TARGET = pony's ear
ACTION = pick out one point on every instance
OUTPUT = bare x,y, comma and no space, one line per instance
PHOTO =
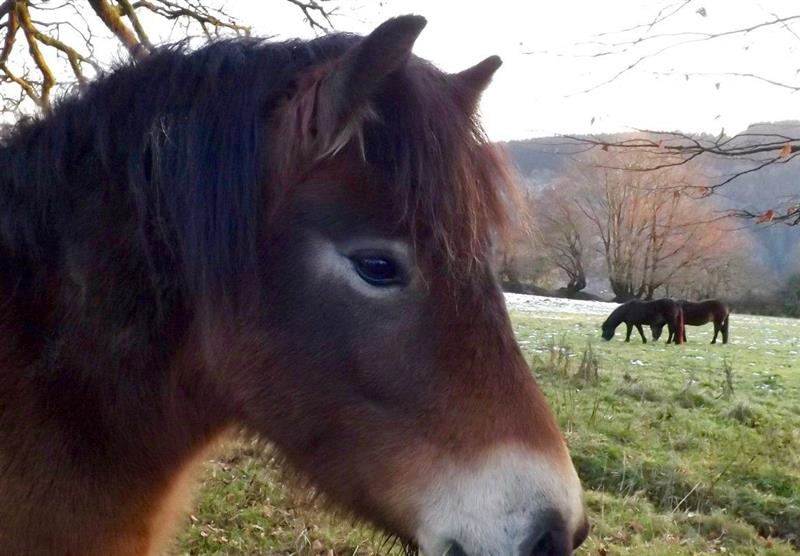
332,100
362,69
474,80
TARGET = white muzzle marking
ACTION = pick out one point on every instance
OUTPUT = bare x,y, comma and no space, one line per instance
491,507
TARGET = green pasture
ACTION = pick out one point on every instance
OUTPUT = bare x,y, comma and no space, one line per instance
683,450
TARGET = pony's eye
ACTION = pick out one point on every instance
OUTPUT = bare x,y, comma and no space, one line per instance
377,270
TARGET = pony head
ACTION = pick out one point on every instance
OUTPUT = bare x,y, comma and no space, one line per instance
378,354
608,329
295,239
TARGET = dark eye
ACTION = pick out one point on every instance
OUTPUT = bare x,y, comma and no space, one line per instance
377,270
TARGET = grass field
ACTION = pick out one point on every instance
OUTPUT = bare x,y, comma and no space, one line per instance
690,449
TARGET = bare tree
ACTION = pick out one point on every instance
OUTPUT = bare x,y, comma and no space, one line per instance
642,43
523,265
649,232
611,201
562,229
51,45
735,273
756,151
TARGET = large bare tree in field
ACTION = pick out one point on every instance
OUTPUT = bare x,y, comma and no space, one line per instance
522,261
650,233
612,201
51,45
562,232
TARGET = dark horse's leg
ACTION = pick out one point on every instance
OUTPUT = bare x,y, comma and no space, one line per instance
628,335
717,328
724,329
641,333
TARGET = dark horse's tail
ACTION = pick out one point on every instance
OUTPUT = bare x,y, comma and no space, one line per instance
680,327
724,329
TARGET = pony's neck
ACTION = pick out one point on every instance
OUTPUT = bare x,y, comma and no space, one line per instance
121,428
93,323
615,318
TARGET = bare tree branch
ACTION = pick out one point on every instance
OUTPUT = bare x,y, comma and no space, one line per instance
11,33
130,13
663,14
48,79
315,13
672,150
112,20
682,39
194,11
791,87
6,7
60,38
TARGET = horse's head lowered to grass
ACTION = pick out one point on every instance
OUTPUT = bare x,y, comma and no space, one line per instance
291,238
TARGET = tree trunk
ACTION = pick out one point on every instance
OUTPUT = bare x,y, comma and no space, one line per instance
576,284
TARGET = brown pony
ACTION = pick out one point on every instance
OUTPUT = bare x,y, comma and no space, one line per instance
289,239
700,313
637,312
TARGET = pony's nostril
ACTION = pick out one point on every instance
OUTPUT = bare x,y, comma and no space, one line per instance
554,542
581,533
549,538
455,549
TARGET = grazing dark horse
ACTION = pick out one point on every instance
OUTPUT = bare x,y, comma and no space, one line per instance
700,313
637,312
289,239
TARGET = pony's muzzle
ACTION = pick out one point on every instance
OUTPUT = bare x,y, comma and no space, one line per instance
548,537
513,504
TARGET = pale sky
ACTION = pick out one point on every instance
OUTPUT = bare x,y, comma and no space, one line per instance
538,91
548,45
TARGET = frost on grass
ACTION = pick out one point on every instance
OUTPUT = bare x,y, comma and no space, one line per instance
537,304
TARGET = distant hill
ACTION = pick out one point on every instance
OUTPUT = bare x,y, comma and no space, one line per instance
543,160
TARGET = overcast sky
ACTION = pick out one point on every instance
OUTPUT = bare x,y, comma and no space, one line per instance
548,62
